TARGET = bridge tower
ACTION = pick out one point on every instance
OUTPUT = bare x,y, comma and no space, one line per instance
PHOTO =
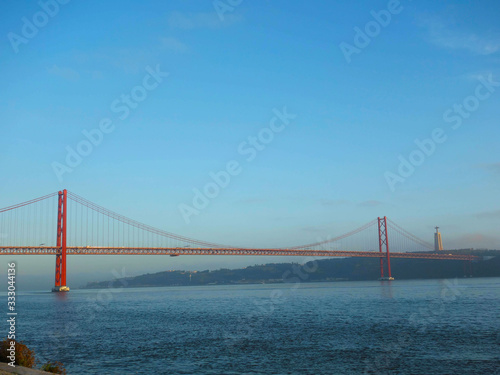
60,282
438,243
383,241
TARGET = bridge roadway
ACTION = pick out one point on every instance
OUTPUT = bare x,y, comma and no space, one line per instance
175,251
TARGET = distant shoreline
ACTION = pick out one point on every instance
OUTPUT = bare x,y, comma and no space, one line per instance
324,270
276,283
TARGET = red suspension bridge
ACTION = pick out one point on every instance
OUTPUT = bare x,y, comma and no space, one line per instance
64,223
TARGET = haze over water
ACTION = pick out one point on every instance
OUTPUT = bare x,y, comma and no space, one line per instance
403,327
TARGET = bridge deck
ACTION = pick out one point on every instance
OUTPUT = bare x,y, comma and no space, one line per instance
174,251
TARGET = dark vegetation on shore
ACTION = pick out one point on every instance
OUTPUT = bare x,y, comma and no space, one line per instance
25,357
322,270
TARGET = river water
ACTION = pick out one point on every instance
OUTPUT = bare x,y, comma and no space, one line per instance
400,327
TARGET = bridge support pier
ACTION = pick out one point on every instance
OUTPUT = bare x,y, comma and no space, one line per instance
60,280
383,240
468,268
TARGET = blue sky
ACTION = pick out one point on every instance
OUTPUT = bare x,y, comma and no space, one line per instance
325,173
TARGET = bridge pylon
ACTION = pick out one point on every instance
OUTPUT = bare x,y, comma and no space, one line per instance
383,241
62,215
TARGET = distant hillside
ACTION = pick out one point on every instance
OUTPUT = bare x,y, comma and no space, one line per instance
322,270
